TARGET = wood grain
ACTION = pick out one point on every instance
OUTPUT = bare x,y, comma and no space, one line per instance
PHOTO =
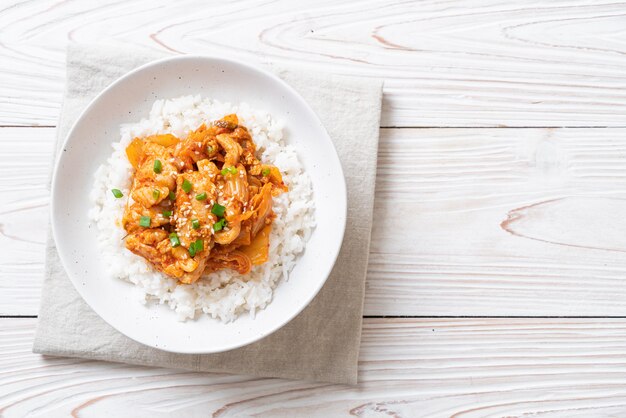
25,162
445,63
408,367
499,222
484,222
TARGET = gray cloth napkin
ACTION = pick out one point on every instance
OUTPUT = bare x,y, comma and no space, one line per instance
322,343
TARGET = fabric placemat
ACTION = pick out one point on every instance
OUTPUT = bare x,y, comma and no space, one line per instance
322,343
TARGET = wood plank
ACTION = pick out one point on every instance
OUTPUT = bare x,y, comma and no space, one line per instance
484,222
499,222
25,164
408,367
453,63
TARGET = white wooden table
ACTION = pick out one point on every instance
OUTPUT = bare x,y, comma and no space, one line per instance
497,277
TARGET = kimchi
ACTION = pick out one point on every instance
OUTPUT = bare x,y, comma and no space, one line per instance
202,203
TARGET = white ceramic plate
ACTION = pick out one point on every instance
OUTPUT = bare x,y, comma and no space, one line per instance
89,144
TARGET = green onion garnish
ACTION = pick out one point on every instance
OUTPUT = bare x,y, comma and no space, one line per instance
172,195
187,186
218,210
195,224
265,172
117,193
157,167
209,149
144,221
195,247
174,239
201,196
156,193
167,213
228,170
219,225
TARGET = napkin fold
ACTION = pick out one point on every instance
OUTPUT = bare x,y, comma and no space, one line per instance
322,342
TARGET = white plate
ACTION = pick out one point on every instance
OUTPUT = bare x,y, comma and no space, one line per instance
89,144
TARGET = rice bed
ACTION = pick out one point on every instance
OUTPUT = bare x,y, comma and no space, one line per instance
224,294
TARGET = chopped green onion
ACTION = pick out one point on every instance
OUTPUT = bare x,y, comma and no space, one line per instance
144,221
195,224
218,210
209,149
219,225
174,239
156,193
157,167
117,193
195,247
265,172
201,196
167,213
229,170
172,195
187,186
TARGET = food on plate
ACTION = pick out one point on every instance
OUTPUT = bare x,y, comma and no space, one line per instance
203,207
199,204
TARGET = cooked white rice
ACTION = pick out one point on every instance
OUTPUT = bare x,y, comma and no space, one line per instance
224,294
